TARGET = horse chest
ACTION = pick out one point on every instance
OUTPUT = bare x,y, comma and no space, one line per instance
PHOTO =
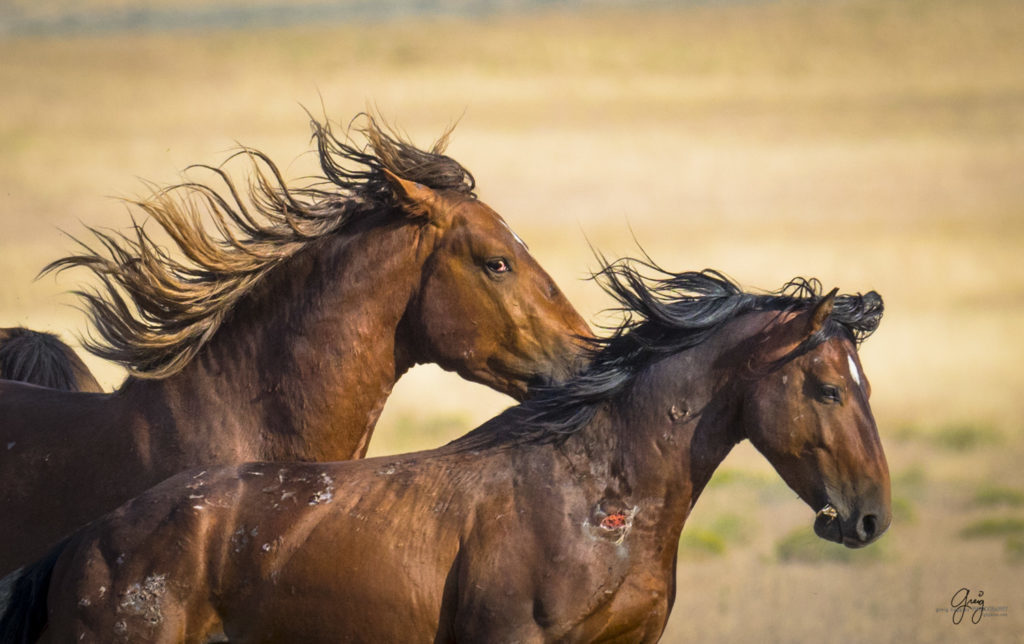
592,580
635,611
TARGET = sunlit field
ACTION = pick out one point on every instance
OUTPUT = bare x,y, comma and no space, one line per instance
870,144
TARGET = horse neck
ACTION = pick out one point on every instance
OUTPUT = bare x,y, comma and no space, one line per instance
302,367
664,435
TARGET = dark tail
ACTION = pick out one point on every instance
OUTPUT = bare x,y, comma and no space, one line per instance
24,617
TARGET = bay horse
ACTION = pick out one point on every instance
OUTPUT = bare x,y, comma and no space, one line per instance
279,329
42,359
558,520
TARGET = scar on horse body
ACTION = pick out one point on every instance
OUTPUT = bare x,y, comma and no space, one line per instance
42,359
278,329
558,520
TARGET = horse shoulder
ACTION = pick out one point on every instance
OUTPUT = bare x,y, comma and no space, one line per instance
539,563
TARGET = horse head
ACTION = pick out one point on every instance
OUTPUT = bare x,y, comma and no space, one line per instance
485,308
807,411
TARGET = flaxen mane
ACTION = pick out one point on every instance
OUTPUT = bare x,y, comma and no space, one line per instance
665,314
153,310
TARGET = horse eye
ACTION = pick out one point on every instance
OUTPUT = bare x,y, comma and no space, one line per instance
498,265
829,394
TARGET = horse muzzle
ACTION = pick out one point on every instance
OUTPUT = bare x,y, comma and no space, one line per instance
855,531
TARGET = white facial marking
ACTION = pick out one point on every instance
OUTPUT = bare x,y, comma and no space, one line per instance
514,235
854,371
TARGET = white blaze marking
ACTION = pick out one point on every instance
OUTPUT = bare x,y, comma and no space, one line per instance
854,371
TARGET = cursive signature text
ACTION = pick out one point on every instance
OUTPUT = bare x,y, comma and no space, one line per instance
963,603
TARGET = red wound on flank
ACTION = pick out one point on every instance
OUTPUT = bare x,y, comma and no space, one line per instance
614,521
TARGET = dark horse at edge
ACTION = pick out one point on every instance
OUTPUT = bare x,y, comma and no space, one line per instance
279,327
557,521
42,359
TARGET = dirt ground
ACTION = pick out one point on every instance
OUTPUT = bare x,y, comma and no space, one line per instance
870,144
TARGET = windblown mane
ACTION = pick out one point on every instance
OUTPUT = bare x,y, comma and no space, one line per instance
665,314
153,311
37,358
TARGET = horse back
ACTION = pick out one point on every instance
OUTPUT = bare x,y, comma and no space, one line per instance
56,449
263,551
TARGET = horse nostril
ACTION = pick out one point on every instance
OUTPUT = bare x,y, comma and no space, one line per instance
868,527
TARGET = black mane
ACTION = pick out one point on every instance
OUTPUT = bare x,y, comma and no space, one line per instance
667,313
38,358
357,172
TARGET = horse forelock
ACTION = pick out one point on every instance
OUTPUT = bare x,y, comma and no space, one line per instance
385,149
666,313
154,309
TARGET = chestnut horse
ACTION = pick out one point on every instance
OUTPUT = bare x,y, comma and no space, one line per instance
40,358
280,336
558,520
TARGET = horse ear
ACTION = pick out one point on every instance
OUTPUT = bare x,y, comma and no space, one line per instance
788,336
820,314
417,199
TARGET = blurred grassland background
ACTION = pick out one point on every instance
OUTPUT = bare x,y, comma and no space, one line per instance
871,144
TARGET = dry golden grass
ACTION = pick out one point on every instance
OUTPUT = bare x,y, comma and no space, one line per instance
873,145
